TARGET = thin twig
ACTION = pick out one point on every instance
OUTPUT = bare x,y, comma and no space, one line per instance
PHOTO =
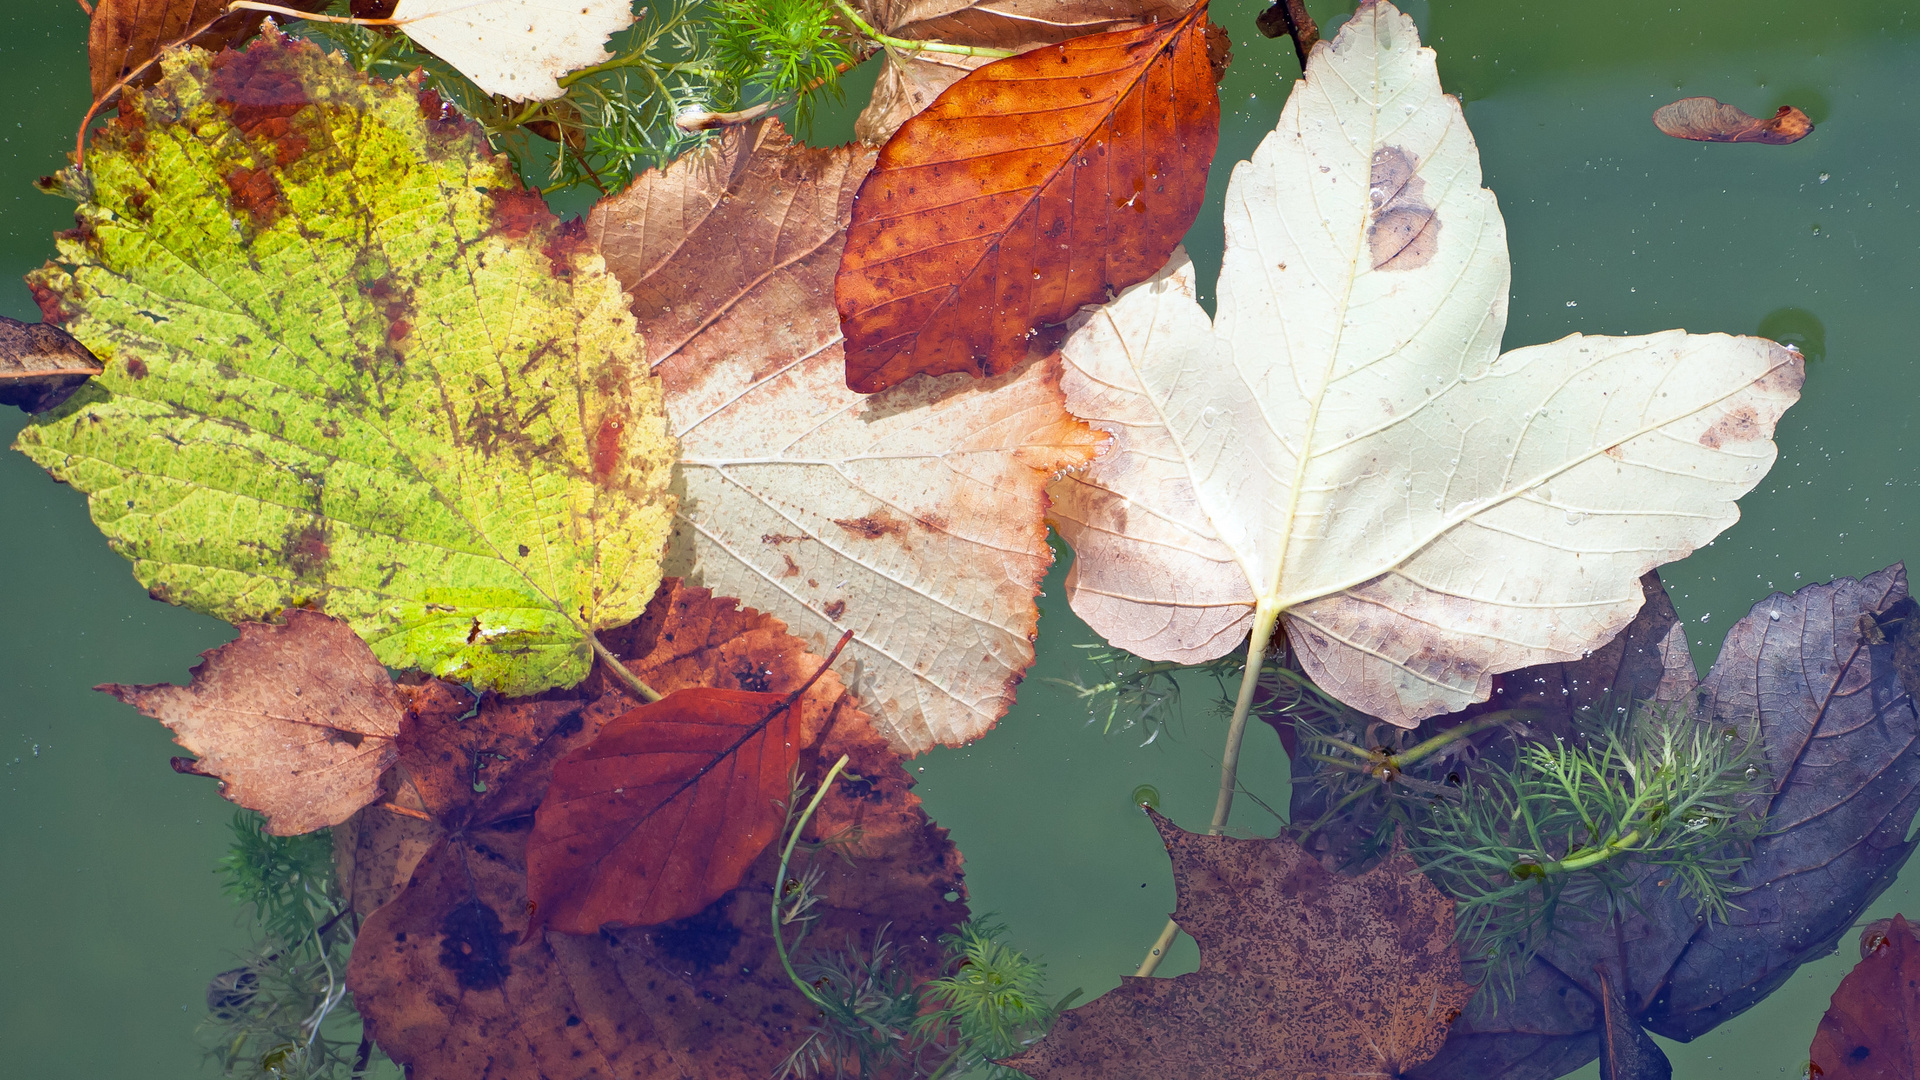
779,942
86,7
908,45
620,670
1290,17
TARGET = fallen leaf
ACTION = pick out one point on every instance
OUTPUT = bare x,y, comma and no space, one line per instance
1033,186
440,972
1302,973
1345,447
1704,119
1872,1029
124,34
41,365
298,721
913,518
909,80
351,366
515,48
1829,676
664,811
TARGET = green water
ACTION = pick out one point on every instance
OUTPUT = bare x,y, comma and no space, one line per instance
114,921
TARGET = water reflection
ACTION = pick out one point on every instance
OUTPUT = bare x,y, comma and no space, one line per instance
1799,328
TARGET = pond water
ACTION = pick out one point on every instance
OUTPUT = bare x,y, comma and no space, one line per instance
113,919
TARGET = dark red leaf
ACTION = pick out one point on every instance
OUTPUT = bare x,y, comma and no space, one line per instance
1872,1029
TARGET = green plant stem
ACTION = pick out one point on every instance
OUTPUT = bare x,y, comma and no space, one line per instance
620,670
890,42
1581,860
779,943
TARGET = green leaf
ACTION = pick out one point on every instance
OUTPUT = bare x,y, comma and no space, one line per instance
350,366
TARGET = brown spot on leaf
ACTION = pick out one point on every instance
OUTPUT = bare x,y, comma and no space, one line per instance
569,239
606,449
779,538
254,191
1740,425
53,307
262,89
1405,231
872,526
836,609
1704,119
306,550
793,568
135,367
518,212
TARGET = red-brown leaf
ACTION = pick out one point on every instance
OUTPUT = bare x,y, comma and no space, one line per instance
1872,1029
1703,119
664,812
125,34
1033,186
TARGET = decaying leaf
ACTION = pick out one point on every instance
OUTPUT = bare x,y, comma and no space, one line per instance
440,971
41,365
1302,973
1828,674
124,34
515,48
1029,188
351,366
913,518
1872,1029
1704,119
1345,446
664,811
909,81
298,721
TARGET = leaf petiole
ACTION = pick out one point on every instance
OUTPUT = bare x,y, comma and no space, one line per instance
908,45
786,856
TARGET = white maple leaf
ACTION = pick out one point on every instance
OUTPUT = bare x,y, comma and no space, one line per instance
1345,451
518,48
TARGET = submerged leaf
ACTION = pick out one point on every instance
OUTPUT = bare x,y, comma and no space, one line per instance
1302,973
913,518
298,721
41,365
452,987
352,367
1704,119
1872,1029
1345,448
1825,679
1032,186
515,48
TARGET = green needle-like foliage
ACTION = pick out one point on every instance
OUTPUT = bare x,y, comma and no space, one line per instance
350,367
1555,839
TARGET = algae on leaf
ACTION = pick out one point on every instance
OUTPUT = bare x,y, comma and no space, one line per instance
351,366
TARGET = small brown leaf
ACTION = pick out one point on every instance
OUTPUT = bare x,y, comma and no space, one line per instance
1303,973
298,721
125,34
1871,1031
1033,186
1703,119
41,365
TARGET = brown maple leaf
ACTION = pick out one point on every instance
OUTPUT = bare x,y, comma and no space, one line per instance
1303,973
441,973
298,721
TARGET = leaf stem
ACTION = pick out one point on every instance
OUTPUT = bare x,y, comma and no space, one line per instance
779,943
905,44
620,670
1264,618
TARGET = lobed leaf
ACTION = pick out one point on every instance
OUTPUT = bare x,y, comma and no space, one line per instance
350,366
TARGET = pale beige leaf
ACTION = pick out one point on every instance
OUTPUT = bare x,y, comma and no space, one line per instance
518,48
297,721
909,81
1347,449
913,518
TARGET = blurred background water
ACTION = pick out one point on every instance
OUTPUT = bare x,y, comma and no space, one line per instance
112,917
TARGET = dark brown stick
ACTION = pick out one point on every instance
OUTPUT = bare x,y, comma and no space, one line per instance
1290,17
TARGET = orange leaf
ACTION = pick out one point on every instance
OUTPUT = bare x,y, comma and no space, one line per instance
1703,119
297,721
1872,1029
664,812
1033,186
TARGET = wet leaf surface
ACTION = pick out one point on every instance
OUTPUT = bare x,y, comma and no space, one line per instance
1035,185
1302,973
1872,1029
41,365
298,721
352,366
124,34
1828,674
1704,119
440,970
914,518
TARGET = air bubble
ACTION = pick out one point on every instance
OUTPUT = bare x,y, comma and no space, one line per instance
1705,617
1208,414
1773,616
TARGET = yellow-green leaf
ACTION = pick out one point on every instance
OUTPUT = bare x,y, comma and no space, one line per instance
351,366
